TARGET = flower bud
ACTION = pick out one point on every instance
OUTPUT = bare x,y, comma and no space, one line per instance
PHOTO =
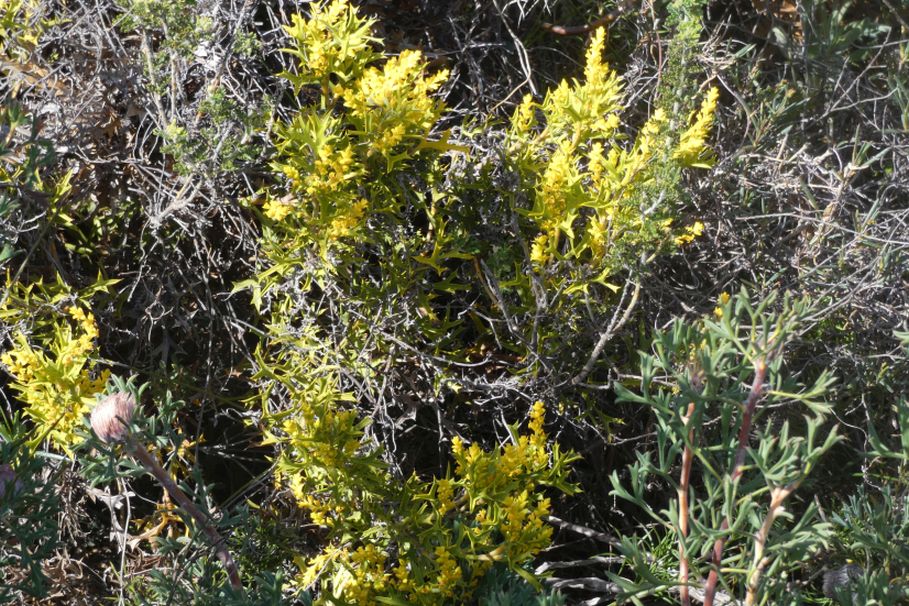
112,415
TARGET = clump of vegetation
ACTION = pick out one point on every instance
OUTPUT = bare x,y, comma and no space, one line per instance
428,303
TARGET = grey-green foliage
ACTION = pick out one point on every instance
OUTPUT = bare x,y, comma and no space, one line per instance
502,587
704,381
29,509
872,527
22,156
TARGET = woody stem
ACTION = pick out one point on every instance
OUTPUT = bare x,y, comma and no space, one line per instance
152,465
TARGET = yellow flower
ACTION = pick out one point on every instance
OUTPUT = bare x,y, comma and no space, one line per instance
276,210
559,177
691,232
450,572
722,301
344,224
538,251
692,149
537,414
589,108
334,40
445,494
395,102
523,118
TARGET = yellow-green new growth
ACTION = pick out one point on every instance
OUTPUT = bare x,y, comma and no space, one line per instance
692,149
56,383
588,184
333,41
371,118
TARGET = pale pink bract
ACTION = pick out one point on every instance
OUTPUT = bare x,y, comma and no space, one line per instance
112,415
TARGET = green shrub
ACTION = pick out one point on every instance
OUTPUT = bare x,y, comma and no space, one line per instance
732,466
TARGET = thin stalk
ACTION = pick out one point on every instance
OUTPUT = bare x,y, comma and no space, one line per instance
750,405
684,483
152,465
777,497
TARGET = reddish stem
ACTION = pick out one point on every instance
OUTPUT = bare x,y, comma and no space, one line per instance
777,497
757,389
152,465
684,482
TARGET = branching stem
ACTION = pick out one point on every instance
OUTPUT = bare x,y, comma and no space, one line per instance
757,390
777,496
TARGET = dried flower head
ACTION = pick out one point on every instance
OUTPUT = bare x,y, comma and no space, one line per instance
112,415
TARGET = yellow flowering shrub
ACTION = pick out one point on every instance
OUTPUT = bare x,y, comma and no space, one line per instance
333,41
417,541
414,540
337,155
588,186
53,361
370,251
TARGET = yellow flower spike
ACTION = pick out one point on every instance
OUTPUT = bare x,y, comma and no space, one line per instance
523,118
539,254
692,149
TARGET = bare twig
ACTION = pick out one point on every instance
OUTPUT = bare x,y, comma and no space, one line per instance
606,20
616,324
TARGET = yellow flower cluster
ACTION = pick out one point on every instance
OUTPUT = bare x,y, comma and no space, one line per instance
524,528
484,470
522,121
492,509
332,168
551,209
588,183
539,250
395,102
692,149
361,574
721,303
445,495
560,177
57,385
333,41
345,223
647,145
589,109
450,573
277,210
691,232
369,576
366,110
